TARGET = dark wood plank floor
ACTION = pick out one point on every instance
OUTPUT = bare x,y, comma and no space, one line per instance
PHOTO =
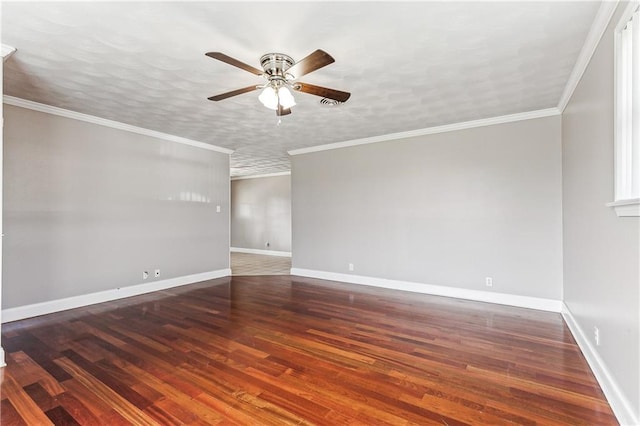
288,350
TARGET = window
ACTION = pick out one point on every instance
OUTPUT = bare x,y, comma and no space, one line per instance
627,113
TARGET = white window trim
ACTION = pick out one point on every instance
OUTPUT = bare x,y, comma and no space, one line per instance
627,160
629,207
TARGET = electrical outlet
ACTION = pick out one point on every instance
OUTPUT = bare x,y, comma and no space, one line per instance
488,281
596,335
351,266
157,273
145,275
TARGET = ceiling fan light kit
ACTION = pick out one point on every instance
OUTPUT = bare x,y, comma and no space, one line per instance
281,71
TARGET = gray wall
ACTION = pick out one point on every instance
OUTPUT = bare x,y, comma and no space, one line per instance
448,209
261,213
601,250
88,208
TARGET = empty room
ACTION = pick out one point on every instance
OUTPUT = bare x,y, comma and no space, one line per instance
320,213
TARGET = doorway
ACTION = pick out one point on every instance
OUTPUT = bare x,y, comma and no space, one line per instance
261,225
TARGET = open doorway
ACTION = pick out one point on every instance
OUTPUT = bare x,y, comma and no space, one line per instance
261,225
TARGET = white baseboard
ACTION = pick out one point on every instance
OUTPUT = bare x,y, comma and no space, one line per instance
619,403
43,308
438,290
258,251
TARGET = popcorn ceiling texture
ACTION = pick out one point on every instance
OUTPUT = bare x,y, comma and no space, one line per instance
408,65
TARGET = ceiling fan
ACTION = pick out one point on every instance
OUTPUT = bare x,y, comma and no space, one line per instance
281,73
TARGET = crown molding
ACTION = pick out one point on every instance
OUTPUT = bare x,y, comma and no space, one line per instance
23,103
598,27
541,113
266,175
7,51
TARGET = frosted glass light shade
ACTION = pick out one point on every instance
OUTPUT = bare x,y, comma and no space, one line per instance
286,98
269,98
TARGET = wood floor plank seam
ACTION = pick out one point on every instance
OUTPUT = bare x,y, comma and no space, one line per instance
22,403
119,404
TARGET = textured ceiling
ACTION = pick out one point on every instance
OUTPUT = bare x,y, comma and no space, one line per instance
408,65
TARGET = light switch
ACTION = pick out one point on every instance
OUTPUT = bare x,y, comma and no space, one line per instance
218,209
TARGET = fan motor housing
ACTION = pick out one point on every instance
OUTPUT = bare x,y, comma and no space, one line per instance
276,64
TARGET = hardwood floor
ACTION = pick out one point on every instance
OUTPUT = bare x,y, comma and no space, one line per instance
289,350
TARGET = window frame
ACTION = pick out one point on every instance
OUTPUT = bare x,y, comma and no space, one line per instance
627,113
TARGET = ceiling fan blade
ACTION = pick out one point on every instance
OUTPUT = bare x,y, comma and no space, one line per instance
314,61
233,93
311,89
236,63
282,111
